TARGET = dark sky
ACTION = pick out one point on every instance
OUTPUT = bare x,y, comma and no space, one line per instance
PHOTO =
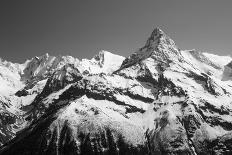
83,27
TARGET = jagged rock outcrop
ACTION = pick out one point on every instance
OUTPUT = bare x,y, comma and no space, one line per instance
227,74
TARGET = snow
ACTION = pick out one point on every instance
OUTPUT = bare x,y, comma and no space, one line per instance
9,79
38,87
220,60
104,62
27,100
45,65
101,111
32,93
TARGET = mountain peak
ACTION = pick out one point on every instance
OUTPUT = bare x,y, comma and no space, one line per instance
45,56
155,36
159,46
158,38
157,32
101,55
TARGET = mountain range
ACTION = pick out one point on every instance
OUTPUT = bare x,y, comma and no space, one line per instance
160,100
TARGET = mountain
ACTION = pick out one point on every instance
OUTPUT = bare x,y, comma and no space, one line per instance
159,100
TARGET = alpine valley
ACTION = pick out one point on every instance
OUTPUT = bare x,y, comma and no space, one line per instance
160,100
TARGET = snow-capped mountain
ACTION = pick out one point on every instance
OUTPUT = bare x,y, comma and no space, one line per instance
159,100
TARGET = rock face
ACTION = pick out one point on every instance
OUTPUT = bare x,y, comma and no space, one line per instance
159,101
227,74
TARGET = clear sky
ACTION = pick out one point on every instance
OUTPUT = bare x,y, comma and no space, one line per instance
83,27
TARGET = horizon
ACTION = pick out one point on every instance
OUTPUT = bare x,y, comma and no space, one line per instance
83,28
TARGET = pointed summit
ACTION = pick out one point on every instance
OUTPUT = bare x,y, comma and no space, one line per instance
158,37
159,47
157,32
155,37
45,56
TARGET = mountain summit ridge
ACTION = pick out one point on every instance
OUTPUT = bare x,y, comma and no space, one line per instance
159,46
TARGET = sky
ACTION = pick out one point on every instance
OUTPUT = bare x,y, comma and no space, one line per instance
81,28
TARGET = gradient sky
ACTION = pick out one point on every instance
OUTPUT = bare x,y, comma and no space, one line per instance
83,27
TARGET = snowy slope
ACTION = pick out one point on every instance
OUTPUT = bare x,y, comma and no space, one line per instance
220,60
104,62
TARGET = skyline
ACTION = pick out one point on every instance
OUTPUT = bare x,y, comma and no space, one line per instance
83,28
